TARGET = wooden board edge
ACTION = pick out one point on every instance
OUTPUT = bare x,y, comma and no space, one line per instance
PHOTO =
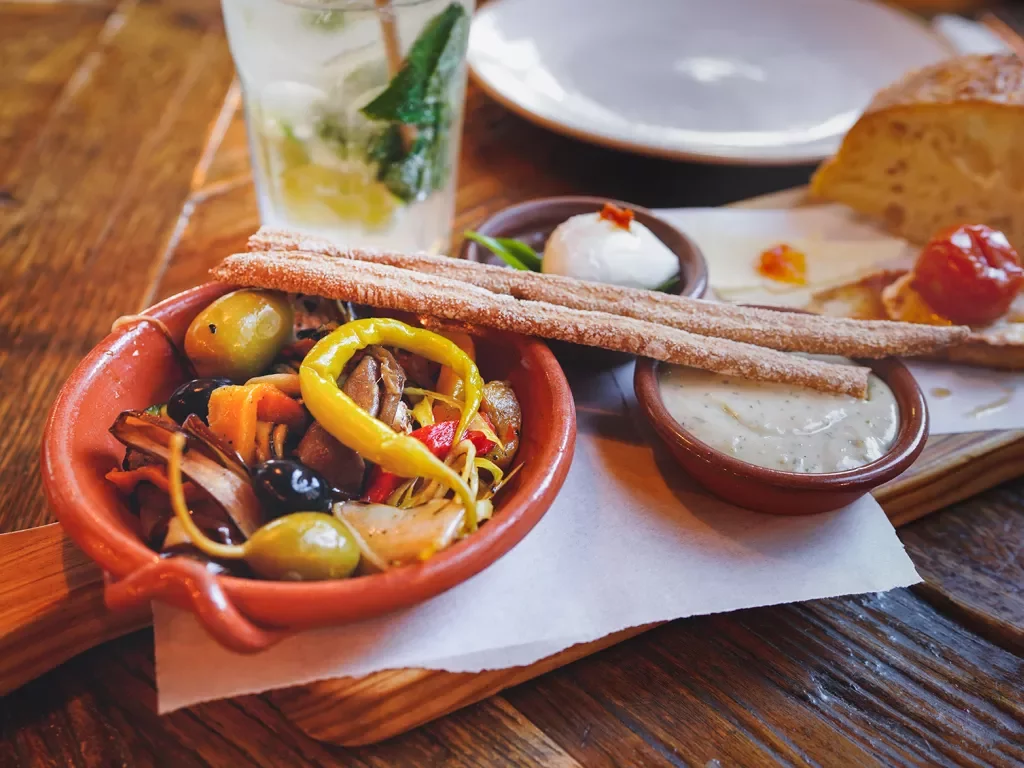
993,458
347,711
52,607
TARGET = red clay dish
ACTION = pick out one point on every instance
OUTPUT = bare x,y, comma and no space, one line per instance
136,366
534,221
789,493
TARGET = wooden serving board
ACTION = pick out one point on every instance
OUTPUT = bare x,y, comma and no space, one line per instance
51,601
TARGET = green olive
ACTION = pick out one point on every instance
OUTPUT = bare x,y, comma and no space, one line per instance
304,546
239,334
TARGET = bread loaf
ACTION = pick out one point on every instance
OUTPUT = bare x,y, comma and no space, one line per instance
943,146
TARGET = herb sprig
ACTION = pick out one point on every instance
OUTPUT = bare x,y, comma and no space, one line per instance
515,253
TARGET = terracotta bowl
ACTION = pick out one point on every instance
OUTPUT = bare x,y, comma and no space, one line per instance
534,221
135,366
789,493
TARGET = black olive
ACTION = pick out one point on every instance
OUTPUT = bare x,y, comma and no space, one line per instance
193,397
285,486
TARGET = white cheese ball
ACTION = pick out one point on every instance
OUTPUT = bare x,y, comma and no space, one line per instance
588,247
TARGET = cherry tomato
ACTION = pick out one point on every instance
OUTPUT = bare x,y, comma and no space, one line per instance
969,274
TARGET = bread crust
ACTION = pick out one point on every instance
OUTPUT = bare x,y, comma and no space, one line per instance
988,78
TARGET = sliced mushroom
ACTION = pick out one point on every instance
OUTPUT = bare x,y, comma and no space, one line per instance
221,451
361,385
501,406
421,372
376,384
233,493
315,317
402,421
136,460
343,468
392,381
156,518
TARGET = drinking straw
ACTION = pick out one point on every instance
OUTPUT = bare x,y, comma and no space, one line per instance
393,51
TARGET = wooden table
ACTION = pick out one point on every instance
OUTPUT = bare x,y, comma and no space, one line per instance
124,175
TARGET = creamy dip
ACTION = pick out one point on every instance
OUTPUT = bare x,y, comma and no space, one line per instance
781,426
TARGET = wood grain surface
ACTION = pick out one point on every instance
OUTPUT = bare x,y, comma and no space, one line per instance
112,194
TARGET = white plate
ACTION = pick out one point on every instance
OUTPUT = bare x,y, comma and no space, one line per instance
730,81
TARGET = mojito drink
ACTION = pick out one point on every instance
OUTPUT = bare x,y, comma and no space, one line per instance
348,142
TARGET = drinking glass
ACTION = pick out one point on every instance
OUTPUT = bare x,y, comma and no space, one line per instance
354,110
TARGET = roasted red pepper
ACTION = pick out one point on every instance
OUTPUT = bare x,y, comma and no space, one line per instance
438,438
620,217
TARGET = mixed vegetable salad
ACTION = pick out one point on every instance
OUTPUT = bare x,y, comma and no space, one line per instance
314,444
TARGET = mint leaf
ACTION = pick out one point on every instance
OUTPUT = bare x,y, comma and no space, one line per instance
386,147
437,145
405,178
330,130
433,58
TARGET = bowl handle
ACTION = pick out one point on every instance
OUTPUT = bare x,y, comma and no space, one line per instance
163,578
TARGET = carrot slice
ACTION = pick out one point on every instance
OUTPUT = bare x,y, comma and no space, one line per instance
235,411
275,406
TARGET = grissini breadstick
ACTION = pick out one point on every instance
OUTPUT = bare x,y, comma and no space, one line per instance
763,327
387,287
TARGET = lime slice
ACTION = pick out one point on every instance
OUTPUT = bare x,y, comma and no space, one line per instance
291,149
380,204
350,195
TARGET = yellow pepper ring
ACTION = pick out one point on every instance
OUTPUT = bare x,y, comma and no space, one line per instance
373,439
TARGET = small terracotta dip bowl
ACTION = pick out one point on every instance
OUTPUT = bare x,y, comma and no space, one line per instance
789,493
136,366
534,221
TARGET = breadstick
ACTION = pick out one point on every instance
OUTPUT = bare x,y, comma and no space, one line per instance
387,287
790,331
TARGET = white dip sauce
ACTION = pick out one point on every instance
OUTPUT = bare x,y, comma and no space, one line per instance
781,426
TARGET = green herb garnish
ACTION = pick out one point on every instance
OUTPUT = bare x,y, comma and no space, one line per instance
330,130
419,96
433,59
515,253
